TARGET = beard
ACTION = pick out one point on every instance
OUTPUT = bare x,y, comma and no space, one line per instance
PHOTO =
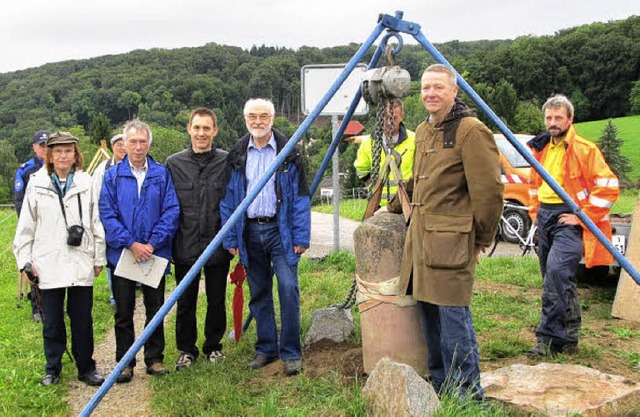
260,132
559,132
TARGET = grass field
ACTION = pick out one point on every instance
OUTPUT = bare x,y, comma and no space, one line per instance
628,131
506,308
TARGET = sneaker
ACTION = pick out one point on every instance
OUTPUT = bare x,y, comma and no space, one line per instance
185,360
157,369
261,361
49,379
93,378
37,317
125,376
215,356
292,367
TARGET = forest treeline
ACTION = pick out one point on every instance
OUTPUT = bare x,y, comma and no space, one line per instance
597,65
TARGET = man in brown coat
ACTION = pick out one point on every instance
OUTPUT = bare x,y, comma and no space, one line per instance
457,201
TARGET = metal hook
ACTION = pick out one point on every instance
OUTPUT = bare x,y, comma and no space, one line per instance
390,53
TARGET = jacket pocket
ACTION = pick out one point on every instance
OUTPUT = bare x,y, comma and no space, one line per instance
446,241
186,195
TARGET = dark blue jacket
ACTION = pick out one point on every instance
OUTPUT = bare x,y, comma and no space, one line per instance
294,205
23,173
151,218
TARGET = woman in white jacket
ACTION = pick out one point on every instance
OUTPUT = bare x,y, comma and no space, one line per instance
60,242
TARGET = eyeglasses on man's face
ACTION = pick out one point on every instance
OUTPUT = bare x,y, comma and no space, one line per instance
263,117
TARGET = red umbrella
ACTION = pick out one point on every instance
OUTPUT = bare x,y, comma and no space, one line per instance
237,277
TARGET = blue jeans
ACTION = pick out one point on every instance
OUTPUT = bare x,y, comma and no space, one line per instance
454,362
560,250
266,256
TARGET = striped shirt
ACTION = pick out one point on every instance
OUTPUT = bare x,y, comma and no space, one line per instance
258,160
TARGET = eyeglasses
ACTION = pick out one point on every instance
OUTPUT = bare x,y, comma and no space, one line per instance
263,117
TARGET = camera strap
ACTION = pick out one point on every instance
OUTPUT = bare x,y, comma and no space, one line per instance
64,214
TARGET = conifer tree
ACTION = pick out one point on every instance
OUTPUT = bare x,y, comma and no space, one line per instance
100,128
610,145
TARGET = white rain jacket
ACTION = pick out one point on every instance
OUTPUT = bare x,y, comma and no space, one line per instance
41,234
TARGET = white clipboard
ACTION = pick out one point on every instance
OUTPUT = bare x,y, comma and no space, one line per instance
148,272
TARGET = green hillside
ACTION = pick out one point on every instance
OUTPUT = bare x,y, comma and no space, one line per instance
628,131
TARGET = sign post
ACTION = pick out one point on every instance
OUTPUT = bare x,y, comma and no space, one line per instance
316,80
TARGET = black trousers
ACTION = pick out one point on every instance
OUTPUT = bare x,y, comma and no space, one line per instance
215,322
124,292
54,330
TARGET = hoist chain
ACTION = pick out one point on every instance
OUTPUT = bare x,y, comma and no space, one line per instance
351,297
380,137
383,129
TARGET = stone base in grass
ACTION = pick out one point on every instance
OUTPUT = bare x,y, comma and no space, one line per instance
561,390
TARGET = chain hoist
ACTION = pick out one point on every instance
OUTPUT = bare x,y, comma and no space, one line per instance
380,87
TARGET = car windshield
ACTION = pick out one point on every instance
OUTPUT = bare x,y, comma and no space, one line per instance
513,156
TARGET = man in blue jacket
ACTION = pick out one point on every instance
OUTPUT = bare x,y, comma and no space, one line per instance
272,235
23,173
139,211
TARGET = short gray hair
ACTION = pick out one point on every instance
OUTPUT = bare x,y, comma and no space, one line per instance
557,101
262,102
443,68
136,125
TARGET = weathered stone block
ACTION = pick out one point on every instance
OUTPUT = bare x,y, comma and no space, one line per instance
335,324
388,329
378,244
562,390
625,305
395,389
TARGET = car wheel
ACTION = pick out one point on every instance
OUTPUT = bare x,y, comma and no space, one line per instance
520,221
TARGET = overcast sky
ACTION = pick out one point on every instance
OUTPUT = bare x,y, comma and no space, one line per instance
35,32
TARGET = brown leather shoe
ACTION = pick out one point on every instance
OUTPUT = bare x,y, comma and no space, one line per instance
157,368
125,376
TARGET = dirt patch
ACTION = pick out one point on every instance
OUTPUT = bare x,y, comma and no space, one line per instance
489,287
322,358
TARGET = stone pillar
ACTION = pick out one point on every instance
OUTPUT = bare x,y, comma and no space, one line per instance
625,305
388,329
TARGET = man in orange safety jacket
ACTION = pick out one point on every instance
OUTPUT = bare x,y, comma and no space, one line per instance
580,169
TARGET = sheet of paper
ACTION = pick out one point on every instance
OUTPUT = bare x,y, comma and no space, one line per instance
148,272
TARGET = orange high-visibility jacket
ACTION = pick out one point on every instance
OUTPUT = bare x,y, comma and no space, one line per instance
591,185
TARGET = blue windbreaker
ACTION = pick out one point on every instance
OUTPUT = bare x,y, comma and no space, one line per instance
151,218
294,205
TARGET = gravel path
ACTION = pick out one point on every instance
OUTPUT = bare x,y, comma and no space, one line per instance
131,399
322,237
